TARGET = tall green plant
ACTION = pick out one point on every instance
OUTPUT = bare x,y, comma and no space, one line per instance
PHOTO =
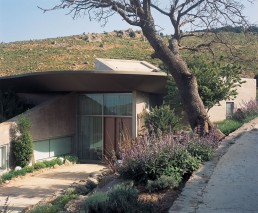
161,119
22,146
217,82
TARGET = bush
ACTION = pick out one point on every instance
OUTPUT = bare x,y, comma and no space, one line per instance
62,200
146,158
184,161
202,151
120,198
22,146
96,203
150,157
20,172
202,148
51,163
71,158
161,119
39,165
44,208
163,182
28,169
7,176
132,34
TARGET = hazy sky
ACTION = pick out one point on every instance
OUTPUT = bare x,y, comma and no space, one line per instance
22,20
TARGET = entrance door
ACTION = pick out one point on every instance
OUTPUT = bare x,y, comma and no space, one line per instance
116,130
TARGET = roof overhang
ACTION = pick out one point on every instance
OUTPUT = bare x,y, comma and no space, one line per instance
86,81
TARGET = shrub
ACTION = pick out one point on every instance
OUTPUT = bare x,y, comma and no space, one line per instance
62,200
150,157
163,182
22,146
71,158
146,158
51,163
96,203
7,176
161,119
132,34
120,198
202,151
20,172
58,161
202,148
28,169
185,161
39,165
44,208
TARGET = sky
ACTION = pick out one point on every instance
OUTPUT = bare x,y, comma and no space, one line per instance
23,20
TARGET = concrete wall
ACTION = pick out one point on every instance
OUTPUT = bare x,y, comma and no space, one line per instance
52,119
141,102
246,92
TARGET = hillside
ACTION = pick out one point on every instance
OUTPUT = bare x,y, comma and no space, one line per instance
79,51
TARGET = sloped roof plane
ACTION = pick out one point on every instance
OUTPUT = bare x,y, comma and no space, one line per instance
124,65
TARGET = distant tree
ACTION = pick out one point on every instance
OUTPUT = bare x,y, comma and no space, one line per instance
196,14
132,34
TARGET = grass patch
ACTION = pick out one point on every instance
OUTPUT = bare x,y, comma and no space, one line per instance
229,125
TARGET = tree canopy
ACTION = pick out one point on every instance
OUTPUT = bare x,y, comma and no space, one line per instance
216,81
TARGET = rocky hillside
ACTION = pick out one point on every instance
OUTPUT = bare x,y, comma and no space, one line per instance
79,51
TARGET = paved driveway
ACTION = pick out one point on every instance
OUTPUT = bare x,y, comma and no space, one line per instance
31,189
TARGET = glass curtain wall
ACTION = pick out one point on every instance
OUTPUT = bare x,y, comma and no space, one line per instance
91,111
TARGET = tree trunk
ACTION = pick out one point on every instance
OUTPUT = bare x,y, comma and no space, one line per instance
186,82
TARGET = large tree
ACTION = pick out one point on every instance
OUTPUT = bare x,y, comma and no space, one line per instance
197,14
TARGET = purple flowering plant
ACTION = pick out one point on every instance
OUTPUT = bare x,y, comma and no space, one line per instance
151,156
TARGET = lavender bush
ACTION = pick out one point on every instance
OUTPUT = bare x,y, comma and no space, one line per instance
150,157
246,109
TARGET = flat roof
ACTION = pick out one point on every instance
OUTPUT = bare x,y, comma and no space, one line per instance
86,81
125,65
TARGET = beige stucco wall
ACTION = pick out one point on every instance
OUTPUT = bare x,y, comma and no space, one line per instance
5,135
246,92
52,119
141,103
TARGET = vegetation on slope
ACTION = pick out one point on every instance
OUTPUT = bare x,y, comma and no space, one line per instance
79,51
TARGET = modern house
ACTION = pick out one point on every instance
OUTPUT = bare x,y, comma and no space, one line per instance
87,113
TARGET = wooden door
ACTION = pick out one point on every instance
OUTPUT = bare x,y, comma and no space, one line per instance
116,130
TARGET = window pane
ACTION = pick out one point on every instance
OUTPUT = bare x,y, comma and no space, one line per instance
90,137
60,146
41,149
118,104
91,104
